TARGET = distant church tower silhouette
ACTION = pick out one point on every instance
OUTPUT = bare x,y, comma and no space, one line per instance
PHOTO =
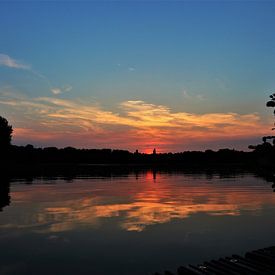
154,151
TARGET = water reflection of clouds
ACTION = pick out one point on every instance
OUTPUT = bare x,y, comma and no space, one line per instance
132,205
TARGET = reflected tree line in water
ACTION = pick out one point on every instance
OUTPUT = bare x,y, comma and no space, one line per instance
5,198
112,172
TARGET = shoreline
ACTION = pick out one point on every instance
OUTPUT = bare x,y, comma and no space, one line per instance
32,170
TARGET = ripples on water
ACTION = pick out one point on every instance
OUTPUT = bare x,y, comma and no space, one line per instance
136,224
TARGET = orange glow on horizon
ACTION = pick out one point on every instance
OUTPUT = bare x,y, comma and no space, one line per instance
139,125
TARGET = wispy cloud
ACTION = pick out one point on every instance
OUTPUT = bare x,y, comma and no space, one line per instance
7,61
126,67
187,95
57,91
67,88
138,124
200,97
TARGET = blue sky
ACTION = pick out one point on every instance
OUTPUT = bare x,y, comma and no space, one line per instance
197,57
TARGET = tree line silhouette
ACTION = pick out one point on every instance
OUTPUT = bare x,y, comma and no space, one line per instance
263,154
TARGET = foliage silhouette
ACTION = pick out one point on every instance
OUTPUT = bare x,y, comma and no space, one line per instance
267,148
5,133
271,103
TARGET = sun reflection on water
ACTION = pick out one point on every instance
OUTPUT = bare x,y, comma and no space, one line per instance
134,203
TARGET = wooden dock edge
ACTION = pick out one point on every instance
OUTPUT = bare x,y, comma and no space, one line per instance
261,261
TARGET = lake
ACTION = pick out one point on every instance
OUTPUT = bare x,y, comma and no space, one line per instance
137,223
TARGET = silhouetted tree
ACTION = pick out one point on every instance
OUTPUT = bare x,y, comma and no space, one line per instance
271,103
266,146
5,133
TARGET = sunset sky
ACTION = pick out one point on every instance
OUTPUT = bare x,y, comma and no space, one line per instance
175,75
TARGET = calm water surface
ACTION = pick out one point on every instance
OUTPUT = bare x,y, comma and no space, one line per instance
135,224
